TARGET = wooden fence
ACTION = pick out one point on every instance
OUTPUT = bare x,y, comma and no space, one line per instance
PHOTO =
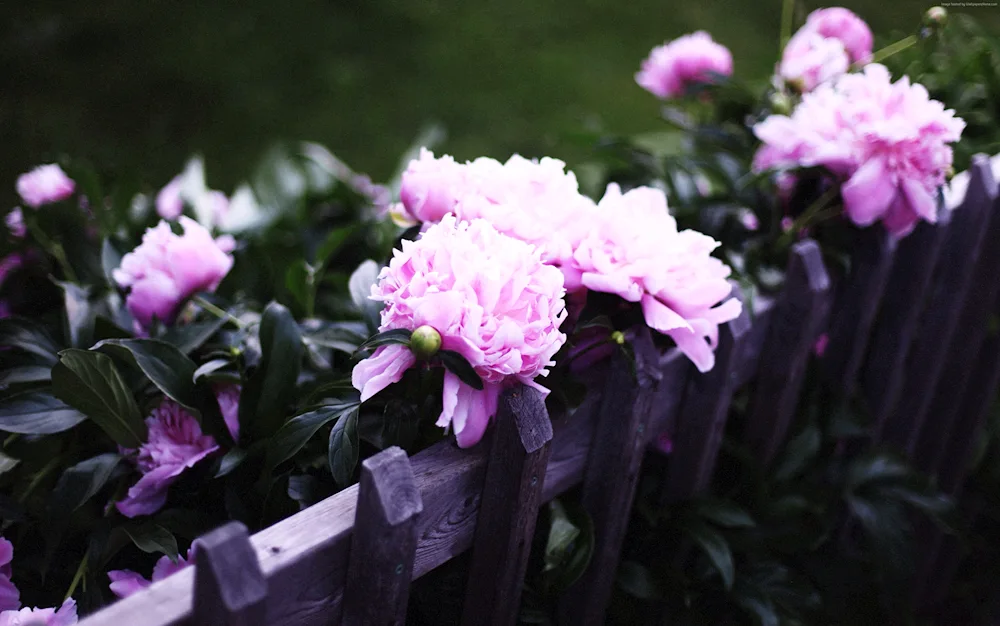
907,330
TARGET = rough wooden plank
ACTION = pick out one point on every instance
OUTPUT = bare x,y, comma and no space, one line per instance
229,587
908,288
857,302
939,321
796,322
385,541
753,345
703,416
508,509
611,476
675,369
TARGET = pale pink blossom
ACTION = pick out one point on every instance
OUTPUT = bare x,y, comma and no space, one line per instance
167,269
811,59
169,203
15,223
9,595
490,298
888,143
843,25
228,397
125,582
44,185
65,615
673,67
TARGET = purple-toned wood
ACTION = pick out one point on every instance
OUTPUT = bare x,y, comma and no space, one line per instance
229,587
795,323
908,288
384,542
939,324
856,304
753,345
702,417
675,369
508,509
611,476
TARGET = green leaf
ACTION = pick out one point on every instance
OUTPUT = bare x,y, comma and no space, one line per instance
271,387
389,337
89,382
111,259
877,469
79,316
26,374
7,463
334,241
29,337
82,481
570,544
297,282
153,539
336,336
458,366
343,450
637,581
799,452
208,367
724,513
189,337
757,604
716,548
37,413
300,429
360,287
231,461
163,364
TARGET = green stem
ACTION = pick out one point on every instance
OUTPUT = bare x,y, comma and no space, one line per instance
216,311
78,576
813,214
11,439
892,49
55,248
39,477
787,10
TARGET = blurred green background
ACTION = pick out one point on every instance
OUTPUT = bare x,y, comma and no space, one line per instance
144,83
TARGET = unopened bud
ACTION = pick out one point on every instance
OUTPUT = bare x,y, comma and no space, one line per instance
936,16
618,337
425,342
781,103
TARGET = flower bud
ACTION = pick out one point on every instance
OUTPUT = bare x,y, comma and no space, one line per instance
618,337
425,342
781,103
936,17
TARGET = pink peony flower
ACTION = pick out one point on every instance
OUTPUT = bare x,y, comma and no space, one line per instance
810,60
125,582
174,444
671,68
635,251
44,185
492,301
15,223
169,203
63,616
841,24
887,142
167,269
9,595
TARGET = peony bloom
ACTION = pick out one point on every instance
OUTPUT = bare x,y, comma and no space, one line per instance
15,223
167,269
175,443
9,595
671,68
887,142
843,25
489,297
635,251
63,616
810,60
44,185
125,582
169,203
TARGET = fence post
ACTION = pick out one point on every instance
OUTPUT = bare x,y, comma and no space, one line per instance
796,321
702,419
380,565
858,298
229,587
612,475
508,508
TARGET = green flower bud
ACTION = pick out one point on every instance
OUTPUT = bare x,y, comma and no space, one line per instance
618,337
781,103
425,342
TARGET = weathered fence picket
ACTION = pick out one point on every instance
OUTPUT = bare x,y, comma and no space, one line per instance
229,588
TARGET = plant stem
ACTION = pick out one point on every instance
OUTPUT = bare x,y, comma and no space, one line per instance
787,10
216,311
39,477
78,576
892,49
811,215
55,248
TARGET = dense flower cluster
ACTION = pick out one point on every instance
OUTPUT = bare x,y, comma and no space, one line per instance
888,143
44,185
673,67
825,47
167,269
490,298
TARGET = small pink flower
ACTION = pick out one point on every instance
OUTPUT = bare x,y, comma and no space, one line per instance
811,59
15,223
671,68
169,203
228,397
9,595
167,269
44,185
63,616
489,297
125,582
749,220
842,24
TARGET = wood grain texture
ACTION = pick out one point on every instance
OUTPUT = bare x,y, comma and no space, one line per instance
857,302
939,321
753,344
675,369
612,474
508,509
384,543
702,418
229,587
794,325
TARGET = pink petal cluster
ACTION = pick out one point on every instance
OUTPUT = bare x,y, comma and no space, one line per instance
175,442
491,299
65,615
887,142
825,47
170,201
671,68
15,223
166,269
10,597
633,250
125,582
44,185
